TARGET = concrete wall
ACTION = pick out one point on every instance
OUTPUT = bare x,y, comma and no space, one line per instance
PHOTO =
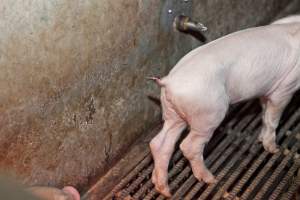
72,77
72,83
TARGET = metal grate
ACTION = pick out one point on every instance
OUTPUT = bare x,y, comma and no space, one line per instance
242,168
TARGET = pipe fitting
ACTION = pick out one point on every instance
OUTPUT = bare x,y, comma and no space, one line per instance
185,24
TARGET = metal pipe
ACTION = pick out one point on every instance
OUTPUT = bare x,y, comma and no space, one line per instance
185,24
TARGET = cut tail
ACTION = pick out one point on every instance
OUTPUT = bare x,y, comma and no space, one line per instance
159,81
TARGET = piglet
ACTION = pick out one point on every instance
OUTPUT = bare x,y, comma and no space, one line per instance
288,19
261,62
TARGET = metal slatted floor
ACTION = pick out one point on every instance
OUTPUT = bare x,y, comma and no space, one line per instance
242,168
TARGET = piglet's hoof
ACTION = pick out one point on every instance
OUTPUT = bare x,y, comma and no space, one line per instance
164,190
50,193
205,176
209,179
271,148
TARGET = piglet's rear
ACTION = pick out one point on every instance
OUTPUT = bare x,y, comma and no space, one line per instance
260,62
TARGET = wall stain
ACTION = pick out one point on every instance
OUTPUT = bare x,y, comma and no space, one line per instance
91,111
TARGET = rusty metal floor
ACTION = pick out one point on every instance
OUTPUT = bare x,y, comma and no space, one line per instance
242,168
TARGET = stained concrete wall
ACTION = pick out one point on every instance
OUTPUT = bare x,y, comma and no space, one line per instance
72,83
72,77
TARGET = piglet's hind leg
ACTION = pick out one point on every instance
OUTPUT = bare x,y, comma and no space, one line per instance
162,146
203,125
192,148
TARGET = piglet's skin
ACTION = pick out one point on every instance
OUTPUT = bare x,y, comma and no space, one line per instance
261,62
